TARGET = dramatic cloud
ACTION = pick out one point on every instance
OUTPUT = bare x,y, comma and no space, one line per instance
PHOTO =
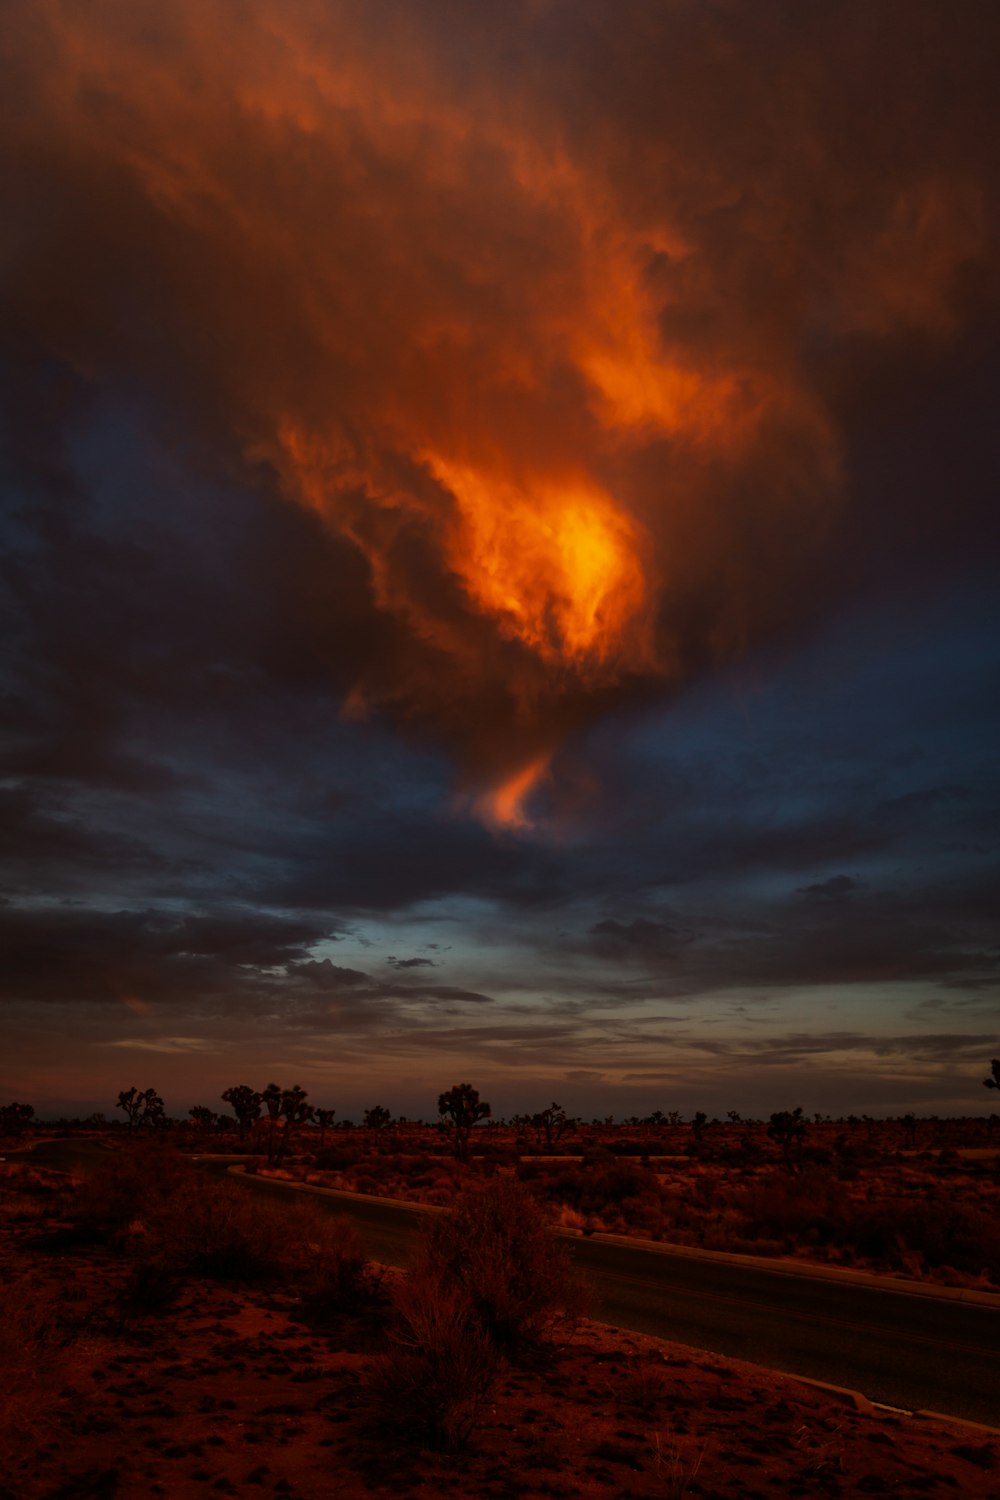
507,490
550,319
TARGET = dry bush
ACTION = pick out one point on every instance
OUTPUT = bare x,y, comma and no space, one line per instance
962,1238
617,1196
814,1208
218,1229
495,1250
36,1182
131,1184
329,1268
441,1370
174,1222
489,1281
29,1194
677,1471
808,1207
209,1229
339,1158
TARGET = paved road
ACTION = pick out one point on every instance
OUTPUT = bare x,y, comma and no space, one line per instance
907,1351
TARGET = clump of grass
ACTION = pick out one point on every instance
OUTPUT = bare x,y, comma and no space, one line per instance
676,1471
642,1385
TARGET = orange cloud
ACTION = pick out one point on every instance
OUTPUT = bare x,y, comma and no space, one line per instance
545,355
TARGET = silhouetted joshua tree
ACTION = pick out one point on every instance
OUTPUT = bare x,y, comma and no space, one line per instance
246,1104
460,1108
142,1107
994,1081
271,1100
788,1129
201,1115
15,1117
283,1104
324,1119
377,1118
553,1123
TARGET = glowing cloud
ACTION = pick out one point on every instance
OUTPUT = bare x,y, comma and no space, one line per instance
540,344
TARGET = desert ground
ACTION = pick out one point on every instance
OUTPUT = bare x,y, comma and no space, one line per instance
166,1333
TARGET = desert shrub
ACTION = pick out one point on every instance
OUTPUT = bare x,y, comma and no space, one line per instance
366,1182
496,1253
810,1205
151,1287
127,1186
330,1269
442,1368
622,1196
339,1158
963,1239
212,1229
22,1178
177,1223
220,1230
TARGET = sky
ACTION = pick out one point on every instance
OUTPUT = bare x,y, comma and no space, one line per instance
500,553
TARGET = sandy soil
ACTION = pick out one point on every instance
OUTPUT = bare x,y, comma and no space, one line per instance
229,1391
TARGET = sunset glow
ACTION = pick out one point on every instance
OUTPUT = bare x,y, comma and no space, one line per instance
556,564
500,557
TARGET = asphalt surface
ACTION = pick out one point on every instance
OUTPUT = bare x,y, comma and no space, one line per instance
902,1350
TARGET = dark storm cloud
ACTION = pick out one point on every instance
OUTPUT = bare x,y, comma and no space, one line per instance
837,888
359,866
74,954
876,937
359,985
795,1048
47,839
645,935
322,974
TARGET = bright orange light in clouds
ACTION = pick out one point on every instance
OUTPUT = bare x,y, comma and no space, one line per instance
504,804
543,362
555,562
